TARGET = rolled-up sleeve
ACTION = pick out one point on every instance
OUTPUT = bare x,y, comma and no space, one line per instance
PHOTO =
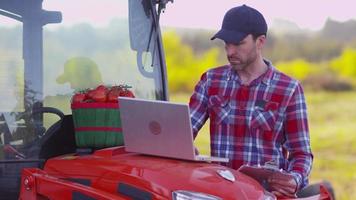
297,138
198,105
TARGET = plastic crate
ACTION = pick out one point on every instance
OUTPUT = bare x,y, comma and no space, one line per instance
97,125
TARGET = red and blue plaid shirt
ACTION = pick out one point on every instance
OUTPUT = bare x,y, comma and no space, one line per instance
253,124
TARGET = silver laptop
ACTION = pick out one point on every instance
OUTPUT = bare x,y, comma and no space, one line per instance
159,128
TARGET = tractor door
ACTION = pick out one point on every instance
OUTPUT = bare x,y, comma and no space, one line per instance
20,88
46,56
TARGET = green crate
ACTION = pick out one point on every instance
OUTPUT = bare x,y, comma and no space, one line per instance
97,125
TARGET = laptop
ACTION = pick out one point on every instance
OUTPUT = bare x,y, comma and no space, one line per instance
159,128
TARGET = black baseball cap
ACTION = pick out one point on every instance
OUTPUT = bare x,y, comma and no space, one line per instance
240,21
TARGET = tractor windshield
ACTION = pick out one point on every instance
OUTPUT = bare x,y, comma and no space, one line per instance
46,56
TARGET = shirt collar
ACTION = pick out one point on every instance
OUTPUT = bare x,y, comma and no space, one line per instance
264,78
268,75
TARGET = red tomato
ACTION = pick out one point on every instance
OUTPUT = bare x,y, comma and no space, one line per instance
113,95
99,95
127,93
79,97
102,87
116,88
90,94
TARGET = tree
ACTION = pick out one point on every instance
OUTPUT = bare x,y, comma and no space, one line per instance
299,68
183,67
345,65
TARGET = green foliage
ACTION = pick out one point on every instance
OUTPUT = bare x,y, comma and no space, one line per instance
187,60
80,72
183,67
299,68
345,65
312,48
318,46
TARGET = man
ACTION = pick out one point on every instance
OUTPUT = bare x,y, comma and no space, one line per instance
255,111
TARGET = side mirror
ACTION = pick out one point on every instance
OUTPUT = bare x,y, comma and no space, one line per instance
143,27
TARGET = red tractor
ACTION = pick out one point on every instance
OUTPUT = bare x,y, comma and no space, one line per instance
47,58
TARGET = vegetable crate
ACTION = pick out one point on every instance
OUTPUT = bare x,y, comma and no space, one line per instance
97,125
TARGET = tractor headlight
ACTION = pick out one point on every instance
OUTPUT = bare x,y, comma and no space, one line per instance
188,195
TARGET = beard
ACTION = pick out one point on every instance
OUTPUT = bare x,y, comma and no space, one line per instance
237,64
240,63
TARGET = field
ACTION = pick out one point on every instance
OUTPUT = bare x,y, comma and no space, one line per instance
332,121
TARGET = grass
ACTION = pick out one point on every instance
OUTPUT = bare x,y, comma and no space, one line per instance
332,121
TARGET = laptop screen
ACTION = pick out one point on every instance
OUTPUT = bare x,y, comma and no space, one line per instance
156,128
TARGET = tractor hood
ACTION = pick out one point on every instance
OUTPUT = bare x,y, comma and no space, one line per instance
116,171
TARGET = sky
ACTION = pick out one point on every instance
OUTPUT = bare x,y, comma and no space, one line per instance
307,14
208,14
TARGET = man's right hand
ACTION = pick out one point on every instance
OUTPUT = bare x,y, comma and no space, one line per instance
283,185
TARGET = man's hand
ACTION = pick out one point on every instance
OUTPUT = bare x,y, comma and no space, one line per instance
283,185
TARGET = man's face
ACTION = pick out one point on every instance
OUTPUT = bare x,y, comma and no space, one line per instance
244,53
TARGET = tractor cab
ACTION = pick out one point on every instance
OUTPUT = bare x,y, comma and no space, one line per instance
47,54
50,50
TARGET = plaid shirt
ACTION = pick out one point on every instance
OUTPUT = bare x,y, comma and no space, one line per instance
253,124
